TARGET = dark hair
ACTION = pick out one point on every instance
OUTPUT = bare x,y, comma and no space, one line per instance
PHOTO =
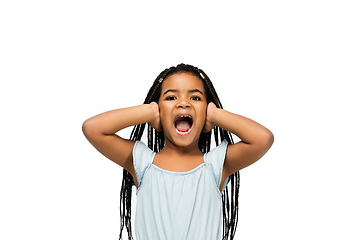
156,142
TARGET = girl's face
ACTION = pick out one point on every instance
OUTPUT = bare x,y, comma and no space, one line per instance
182,105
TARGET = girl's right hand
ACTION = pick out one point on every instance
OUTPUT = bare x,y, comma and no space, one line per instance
156,123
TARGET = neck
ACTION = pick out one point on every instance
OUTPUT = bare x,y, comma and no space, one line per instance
191,149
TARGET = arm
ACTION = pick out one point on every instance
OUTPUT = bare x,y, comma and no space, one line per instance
100,131
256,140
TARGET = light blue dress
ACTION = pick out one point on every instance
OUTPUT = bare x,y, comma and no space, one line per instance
178,205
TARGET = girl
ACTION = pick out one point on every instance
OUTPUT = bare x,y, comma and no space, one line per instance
181,184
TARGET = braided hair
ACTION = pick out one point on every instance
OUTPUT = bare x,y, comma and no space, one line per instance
156,142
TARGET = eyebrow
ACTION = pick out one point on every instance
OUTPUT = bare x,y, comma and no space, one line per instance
190,91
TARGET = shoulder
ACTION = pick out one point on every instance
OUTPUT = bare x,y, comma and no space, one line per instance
141,154
142,158
141,149
215,159
217,154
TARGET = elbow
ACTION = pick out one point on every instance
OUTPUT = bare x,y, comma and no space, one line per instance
265,140
268,139
88,128
271,139
85,127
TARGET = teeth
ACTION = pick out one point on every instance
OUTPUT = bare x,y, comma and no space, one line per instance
182,132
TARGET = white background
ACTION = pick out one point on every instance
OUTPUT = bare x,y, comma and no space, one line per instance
293,66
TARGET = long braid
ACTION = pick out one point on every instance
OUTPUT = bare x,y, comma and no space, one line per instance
230,211
128,181
156,142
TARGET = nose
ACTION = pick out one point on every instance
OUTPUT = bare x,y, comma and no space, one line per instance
183,104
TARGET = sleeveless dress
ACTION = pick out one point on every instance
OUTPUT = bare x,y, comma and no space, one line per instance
178,205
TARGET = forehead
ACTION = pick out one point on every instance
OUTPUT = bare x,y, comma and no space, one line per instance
182,81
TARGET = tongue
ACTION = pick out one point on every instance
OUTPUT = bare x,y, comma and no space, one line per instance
182,126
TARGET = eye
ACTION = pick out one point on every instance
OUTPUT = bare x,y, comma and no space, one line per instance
170,98
195,98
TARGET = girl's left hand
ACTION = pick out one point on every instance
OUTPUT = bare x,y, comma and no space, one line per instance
208,123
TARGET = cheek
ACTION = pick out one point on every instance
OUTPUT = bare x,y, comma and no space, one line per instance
163,119
202,116
164,115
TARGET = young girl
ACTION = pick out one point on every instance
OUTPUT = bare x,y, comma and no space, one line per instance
181,184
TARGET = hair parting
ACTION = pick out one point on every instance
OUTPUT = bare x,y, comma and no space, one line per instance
156,142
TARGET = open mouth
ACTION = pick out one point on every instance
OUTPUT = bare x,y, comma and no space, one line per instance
183,124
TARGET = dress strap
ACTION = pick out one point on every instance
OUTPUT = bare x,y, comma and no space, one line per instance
215,158
142,159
